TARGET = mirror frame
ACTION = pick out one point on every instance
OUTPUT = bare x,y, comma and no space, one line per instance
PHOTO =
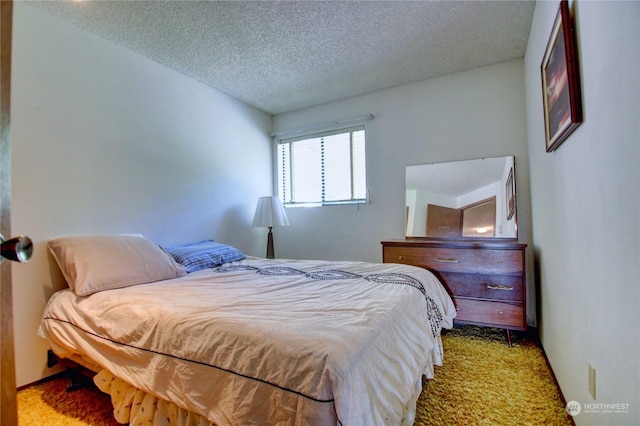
507,204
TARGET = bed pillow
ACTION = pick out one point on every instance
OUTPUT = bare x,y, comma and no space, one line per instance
96,263
204,254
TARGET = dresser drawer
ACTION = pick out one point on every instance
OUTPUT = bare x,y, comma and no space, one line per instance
479,286
486,280
497,314
490,261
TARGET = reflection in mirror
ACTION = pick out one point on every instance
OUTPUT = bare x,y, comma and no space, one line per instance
462,199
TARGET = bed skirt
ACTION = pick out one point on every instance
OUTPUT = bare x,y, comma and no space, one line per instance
137,408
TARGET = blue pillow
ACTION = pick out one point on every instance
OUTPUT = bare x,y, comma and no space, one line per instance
204,254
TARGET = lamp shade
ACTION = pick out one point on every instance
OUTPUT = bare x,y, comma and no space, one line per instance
269,212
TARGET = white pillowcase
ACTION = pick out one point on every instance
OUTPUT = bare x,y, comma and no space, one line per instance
95,263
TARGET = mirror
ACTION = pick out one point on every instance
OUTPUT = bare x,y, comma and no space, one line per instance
462,199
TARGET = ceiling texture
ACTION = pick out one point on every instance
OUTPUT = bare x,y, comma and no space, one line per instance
280,56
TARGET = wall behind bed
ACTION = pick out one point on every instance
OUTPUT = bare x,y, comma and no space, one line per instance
472,114
106,141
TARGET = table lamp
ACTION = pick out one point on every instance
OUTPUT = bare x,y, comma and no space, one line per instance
270,213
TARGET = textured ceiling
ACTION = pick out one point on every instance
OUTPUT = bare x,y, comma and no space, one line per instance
280,56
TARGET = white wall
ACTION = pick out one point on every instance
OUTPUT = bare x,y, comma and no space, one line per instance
105,141
586,212
473,114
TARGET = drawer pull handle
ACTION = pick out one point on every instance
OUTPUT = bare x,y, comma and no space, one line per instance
501,312
499,287
446,260
399,257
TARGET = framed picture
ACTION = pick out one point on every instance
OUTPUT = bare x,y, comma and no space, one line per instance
510,192
561,81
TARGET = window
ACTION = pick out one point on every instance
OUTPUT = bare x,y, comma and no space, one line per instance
324,168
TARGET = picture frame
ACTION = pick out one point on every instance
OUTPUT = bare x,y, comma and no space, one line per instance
561,81
510,191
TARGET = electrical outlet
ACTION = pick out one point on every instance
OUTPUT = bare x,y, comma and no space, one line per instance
592,381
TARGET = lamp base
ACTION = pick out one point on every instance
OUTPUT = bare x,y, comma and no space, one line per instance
270,254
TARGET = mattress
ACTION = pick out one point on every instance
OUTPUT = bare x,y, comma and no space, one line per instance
267,341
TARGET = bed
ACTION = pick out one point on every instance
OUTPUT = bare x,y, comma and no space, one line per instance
236,340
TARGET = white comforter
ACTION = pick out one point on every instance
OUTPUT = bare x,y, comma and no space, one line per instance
267,342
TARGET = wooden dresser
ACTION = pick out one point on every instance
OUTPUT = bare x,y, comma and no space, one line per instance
486,279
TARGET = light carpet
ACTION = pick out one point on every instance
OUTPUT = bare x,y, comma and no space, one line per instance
482,382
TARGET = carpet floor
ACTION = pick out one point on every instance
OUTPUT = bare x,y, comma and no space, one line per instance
482,382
